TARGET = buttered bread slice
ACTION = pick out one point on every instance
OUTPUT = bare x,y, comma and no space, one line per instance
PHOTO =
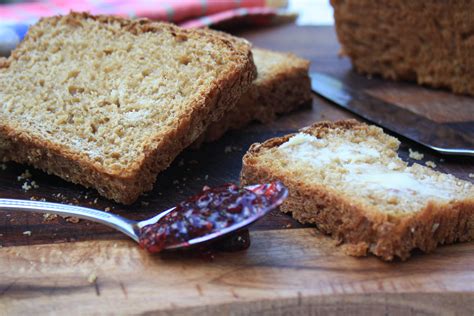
108,102
347,178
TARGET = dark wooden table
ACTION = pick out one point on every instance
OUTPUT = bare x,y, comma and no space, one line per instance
61,266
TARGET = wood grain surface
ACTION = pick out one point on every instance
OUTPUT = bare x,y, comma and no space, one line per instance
293,271
48,265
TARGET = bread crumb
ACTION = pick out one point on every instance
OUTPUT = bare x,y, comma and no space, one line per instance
48,216
206,177
413,154
92,278
25,175
72,219
27,233
3,166
471,175
107,209
26,186
435,227
143,203
34,184
431,164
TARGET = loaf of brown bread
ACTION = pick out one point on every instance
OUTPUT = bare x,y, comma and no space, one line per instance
347,178
282,85
108,102
429,41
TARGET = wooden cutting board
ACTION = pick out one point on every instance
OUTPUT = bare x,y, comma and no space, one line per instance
57,266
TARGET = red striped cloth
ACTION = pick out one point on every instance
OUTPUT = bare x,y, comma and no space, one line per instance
189,13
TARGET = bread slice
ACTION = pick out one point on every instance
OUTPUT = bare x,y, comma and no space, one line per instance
109,102
431,42
346,178
282,85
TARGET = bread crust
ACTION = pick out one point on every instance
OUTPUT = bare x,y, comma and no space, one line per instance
361,228
125,186
285,89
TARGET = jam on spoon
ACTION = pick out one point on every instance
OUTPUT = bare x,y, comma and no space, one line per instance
206,217
210,212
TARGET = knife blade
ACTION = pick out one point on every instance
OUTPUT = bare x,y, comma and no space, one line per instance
417,128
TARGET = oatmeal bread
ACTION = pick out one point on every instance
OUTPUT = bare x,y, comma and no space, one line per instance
282,85
431,42
108,102
347,179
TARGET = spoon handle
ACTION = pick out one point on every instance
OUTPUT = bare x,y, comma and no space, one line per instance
124,225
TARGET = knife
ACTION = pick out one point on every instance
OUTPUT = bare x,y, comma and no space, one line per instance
417,128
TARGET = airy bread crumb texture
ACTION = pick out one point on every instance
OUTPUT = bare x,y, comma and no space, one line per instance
110,92
347,178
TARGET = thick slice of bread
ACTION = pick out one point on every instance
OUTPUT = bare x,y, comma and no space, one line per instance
109,102
430,41
346,178
282,85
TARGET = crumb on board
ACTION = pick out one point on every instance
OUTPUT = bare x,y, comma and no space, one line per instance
3,166
413,154
144,203
206,177
27,233
49,217
25,175
72,219
431,164
92,278
26,186
107,209
471,175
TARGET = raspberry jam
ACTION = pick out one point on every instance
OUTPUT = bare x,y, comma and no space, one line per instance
211,212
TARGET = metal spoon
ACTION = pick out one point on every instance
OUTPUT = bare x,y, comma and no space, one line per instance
133,228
